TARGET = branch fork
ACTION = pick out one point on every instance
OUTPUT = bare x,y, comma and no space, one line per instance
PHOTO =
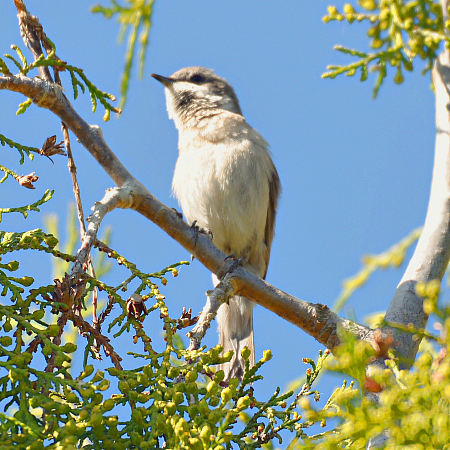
214,299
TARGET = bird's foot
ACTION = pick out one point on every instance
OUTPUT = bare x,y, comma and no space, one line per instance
179,215
230,263
202,230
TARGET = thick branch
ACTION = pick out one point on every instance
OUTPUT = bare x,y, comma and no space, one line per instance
432,254
314,318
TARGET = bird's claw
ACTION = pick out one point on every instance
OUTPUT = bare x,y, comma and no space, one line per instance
202,230
179,215
230,263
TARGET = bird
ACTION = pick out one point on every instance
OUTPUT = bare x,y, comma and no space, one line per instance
224,180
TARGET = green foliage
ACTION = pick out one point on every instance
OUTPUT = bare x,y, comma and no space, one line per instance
172,395
175,397
77,76
167,396
413,405
48,194
23,149
400,31
134,18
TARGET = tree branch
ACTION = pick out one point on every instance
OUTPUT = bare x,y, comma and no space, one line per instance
432,254
316,319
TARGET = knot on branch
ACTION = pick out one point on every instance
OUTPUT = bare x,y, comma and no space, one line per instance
47,94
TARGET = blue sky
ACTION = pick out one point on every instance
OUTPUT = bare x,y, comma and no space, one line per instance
355,172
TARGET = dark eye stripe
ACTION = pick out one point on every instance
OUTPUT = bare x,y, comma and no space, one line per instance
197,79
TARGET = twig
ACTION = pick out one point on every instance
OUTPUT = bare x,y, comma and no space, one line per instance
32,34
114,198
214,298
80,214
86,327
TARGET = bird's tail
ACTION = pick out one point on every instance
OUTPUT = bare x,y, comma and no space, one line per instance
235,321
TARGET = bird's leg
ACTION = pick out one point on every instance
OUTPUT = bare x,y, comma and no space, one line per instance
198,230
202,230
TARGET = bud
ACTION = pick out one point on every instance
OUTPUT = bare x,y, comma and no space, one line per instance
27,180
267,355
226,395
245,353
191,376
51,240
6,341
52,330
243,403
87,371
212,388
214,401
13,266
69,347
332,11
124,387
25,281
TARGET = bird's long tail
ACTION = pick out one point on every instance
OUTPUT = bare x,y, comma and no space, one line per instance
235,321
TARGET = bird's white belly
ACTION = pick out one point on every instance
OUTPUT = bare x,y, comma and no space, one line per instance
225,190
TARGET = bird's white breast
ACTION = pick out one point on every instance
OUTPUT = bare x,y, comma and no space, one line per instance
222,180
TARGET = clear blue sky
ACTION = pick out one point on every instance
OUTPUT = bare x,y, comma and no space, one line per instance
355,172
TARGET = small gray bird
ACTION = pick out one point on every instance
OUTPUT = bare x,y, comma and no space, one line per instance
225,180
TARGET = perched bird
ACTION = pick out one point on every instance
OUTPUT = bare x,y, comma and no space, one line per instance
225,180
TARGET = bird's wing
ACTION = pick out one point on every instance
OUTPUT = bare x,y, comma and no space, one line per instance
269,232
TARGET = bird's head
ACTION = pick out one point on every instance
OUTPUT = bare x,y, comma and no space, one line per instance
194,93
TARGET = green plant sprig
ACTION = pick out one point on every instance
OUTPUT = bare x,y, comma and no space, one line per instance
32,239
23,149
134,17
48,194
78,79
400,31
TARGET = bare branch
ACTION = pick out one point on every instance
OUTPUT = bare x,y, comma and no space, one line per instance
114,198
432,254
32,34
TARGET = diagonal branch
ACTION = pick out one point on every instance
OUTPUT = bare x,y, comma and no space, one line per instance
316,319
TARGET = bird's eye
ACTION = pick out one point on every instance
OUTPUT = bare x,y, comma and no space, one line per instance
197,79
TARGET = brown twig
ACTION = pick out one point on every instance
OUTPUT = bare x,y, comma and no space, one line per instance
86,327
80,213
33,35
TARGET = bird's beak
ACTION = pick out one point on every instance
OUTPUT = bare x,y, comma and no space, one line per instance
164,80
